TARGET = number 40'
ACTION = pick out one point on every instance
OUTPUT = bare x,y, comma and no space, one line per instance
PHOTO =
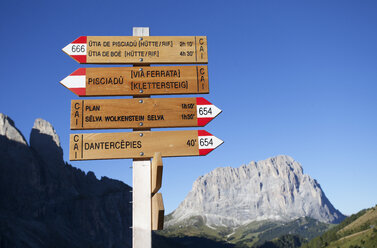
191,142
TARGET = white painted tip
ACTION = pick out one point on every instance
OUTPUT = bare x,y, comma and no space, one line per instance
74,82
207,111
209,142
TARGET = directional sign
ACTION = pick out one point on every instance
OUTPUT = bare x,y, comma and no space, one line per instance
139,50
141,113
140,144
138,81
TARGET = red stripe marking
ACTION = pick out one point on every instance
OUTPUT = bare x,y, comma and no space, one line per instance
204,121
81,39
79,58
79,72
79,91
202,101
203,152
204,133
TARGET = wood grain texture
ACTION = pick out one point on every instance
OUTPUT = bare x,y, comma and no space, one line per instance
133,113
156,173
158,212
146,50
91,146
141,81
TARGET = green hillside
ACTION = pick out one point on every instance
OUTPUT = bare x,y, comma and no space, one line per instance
358,230
254,234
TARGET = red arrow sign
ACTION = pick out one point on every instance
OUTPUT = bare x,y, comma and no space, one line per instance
139,50
77,49
207,142
142,144
147,113
138,81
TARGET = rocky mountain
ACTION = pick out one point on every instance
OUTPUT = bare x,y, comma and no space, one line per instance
45,202
272,189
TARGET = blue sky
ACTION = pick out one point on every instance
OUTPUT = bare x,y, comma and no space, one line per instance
292,77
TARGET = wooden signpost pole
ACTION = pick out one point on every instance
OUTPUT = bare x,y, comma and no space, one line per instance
141,193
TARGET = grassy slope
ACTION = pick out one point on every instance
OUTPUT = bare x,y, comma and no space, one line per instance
366,238
254,233
361,223
358,230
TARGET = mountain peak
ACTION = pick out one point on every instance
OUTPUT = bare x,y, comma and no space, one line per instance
46,202
45,127
9,130
45,141
271,189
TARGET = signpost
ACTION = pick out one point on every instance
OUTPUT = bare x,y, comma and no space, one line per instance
138,50
139,113
158,212
141,145
142,112
156,173
138,81
158,209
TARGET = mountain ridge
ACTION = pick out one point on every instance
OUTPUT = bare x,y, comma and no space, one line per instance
45,202
271,189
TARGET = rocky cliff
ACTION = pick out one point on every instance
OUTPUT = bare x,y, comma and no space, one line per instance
45,202
272,189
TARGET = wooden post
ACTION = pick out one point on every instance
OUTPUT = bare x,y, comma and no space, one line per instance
141,194
158,209
156,172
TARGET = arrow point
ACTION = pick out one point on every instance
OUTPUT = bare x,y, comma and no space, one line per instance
79,72
207,145
76,82
66,49
202,101
81,40
79,58
204,133
203,152
79,91
77,49
204,121
216,111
